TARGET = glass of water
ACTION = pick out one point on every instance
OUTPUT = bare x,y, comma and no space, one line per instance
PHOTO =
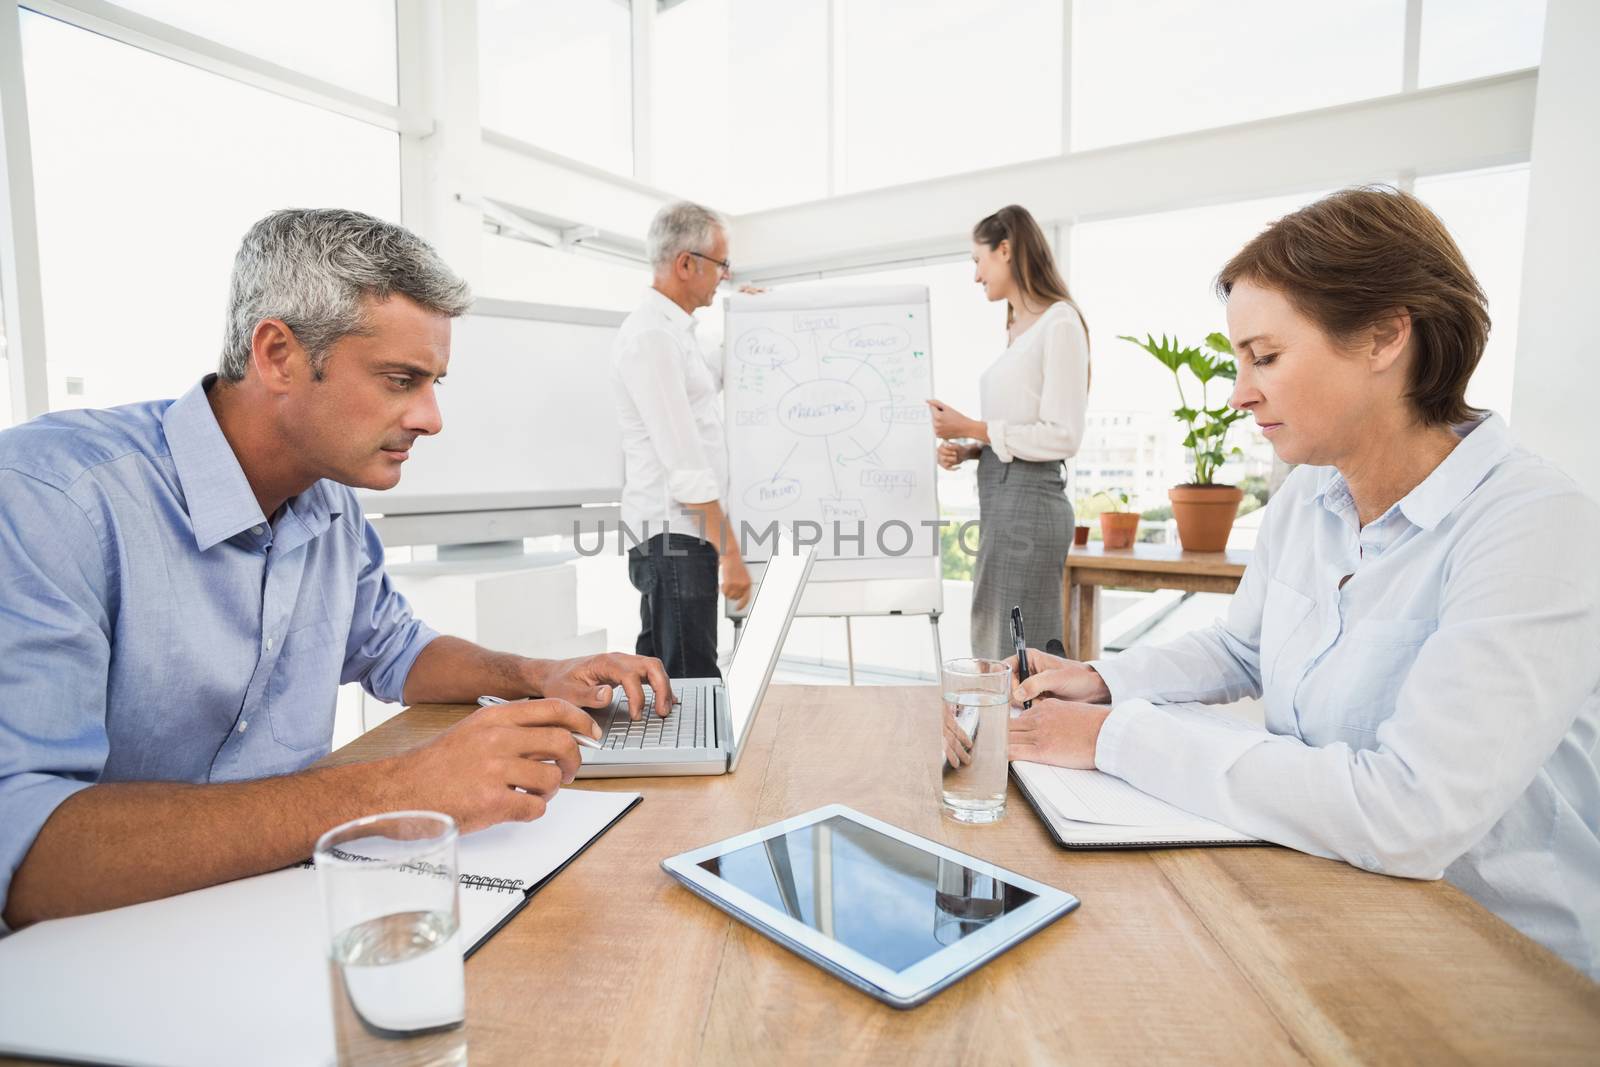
976,713
394,960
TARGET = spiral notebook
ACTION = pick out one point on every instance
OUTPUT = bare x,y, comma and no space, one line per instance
1092,809
238,973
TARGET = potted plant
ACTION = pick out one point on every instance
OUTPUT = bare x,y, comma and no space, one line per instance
1118,525
1203,509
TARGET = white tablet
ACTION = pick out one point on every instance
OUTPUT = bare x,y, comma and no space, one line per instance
894,914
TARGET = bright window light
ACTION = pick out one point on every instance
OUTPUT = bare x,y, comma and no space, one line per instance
349,43
932,87
147,172
739,102
1159,67
558,74
1475,38
1486,211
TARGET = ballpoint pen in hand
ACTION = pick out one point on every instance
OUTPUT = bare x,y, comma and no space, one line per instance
1022,650
582,739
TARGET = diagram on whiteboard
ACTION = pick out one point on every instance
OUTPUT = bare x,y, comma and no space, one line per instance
827,420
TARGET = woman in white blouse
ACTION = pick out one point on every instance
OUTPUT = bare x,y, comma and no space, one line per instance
1421,612
1032,404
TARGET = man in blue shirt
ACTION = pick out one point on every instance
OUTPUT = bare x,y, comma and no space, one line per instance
184,585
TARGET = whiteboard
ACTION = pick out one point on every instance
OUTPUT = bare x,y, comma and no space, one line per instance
529,419
825,396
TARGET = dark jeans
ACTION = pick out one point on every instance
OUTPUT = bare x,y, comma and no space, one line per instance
676,576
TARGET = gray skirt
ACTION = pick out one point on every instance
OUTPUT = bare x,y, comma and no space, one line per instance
1024,533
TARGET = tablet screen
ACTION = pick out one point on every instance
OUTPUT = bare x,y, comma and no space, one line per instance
886,899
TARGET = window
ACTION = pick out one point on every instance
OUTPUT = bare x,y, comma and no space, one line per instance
349,43
1475,38
559,74
1159,67
739,106
1486,212
1152,274
931,87
146,173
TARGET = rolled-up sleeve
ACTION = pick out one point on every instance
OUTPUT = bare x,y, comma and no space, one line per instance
55,655
1489,697
649,370
385,637
1063,400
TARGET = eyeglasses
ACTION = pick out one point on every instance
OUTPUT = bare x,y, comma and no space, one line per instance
721,264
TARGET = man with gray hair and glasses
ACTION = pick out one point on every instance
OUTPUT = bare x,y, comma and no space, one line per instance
186,584
675,459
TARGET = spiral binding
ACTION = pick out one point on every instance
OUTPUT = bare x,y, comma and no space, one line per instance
471,881
497,885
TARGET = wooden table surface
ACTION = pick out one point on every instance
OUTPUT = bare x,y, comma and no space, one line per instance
1244,955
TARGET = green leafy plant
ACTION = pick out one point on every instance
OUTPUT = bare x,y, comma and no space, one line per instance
1116,500
1207,426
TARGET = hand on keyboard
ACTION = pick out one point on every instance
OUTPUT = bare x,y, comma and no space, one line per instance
589,680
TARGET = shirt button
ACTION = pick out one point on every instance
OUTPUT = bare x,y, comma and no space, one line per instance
242,725
258,530
269,644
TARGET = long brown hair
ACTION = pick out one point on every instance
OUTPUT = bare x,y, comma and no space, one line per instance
1033,268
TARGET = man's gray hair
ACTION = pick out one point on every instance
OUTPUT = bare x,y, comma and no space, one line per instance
315,268
681,227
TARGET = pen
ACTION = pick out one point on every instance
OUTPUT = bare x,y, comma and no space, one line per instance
583,739
1022,650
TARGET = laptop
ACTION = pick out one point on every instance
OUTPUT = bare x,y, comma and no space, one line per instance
707,729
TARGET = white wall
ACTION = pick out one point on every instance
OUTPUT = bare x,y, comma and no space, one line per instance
1557,379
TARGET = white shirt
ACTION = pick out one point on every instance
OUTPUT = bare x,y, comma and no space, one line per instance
1437,715
670,415
1034,395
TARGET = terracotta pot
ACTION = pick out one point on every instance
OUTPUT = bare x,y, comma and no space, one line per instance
1205,515
1118,527
1080,535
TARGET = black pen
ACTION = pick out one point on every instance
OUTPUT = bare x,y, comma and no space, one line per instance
1022,650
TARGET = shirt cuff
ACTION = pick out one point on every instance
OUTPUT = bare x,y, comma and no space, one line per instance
1110,746
1114,677
389,683
696,485
29,799
1175,751
997,439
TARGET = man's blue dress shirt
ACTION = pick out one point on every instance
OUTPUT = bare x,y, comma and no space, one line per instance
154,626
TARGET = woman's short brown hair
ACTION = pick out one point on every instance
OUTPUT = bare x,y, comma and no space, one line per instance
1352,258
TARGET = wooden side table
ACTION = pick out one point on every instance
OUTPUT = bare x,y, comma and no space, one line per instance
1140,567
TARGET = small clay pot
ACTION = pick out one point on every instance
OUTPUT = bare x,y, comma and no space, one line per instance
1205,515
1117,528
1080,535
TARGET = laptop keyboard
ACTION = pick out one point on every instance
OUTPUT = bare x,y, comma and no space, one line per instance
684,727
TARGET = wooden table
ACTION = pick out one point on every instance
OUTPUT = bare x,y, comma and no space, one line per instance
1246,955
1139,567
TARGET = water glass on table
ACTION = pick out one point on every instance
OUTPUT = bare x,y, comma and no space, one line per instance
976,722
395,957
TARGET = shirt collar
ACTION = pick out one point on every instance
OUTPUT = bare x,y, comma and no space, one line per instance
664,304
216,492
1484,443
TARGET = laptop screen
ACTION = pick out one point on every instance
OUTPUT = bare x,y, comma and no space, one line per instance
761,637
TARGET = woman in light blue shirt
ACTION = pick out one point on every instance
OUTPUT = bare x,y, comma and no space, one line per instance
1421,613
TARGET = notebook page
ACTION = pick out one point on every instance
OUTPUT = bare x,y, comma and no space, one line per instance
1097,798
